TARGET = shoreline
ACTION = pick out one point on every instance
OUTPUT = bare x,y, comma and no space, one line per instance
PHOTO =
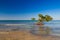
25,35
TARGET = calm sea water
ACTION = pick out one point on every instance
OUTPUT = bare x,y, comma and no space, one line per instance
29,25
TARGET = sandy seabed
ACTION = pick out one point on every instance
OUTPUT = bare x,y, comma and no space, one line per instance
24,35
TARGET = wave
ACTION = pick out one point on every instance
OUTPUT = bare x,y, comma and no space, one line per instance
11,24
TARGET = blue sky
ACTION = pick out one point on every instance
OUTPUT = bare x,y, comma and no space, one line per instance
26,9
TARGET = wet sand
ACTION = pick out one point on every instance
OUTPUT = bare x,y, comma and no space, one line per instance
24,35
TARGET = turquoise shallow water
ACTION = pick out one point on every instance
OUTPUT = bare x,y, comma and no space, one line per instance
29,25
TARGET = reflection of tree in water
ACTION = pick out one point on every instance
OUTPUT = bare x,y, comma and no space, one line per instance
41,30
44,30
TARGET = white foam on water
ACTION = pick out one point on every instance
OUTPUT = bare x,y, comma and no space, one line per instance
54,34
11,24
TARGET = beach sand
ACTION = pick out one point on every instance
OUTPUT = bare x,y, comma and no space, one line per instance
24,35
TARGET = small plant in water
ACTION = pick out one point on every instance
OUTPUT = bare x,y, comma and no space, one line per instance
41,19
